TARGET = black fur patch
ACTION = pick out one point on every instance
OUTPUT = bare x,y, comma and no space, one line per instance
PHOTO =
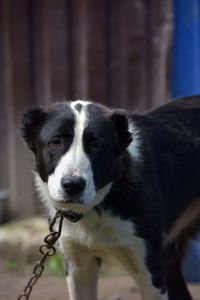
32,121
40,128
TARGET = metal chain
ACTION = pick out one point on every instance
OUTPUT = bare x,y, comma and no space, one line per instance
46,250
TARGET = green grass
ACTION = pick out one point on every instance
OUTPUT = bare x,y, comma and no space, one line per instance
55,265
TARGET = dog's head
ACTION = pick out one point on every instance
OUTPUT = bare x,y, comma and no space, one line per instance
77,146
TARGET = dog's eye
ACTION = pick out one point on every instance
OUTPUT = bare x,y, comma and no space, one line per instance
56,143
96,147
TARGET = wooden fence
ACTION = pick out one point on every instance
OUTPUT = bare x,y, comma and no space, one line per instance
115,52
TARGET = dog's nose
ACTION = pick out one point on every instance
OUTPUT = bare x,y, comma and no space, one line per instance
73,186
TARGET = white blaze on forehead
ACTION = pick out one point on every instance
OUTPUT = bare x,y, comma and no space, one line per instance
75,160
76,156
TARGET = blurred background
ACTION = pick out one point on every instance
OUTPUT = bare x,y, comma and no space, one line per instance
114,52
134,54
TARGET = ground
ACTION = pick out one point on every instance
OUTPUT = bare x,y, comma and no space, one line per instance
18,252
54,288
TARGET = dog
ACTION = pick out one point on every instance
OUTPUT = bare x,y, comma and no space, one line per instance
128,186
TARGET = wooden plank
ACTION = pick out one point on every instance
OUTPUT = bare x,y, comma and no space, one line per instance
113,53
4,180
79,48
18,76
40,44
133,43
7,93
4,125
159,29
58,28
127,54
97,52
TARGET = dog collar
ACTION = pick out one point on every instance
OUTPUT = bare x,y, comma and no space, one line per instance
71,215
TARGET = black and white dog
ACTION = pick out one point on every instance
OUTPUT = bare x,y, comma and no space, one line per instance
128,186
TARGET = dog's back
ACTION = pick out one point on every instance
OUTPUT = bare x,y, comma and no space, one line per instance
177,151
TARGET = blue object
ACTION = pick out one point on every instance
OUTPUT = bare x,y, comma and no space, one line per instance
185,82
191,264
186,48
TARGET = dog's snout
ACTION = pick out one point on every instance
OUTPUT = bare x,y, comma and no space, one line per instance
73,185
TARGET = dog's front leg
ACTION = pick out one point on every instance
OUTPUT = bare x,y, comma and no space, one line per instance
82,279
134,260
82,274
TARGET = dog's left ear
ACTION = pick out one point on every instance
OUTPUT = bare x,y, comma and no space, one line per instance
120,122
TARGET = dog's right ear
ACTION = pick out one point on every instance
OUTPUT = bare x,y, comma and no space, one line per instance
32,121
120,122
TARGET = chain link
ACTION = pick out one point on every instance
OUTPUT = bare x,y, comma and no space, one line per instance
46,250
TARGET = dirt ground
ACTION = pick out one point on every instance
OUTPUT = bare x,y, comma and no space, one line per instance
54,288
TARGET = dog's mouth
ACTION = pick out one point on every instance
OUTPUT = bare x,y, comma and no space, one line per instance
72,210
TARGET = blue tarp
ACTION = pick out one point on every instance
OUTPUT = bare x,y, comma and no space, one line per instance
186,48
186,81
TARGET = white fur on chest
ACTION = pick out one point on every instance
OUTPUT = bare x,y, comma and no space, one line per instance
107,236
101,233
